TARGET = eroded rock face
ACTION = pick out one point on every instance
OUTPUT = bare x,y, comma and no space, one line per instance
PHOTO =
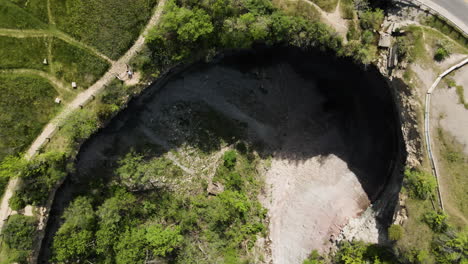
327,126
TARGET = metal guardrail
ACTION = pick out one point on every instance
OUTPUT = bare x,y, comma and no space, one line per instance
427,127
434,12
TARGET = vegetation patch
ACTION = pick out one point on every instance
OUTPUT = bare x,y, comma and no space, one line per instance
454,166
110,26
14,17
38,177
38,8
18,235
347,9
162,224
74,64
326,5
444,27
26,105
23,53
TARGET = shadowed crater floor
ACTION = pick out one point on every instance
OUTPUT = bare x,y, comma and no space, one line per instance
328,127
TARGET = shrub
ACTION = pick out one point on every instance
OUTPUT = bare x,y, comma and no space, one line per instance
451,247
314,258
230,158
353,31
367,37
371,20
395,232
74,239
19,232
442,51
163,240
41,175
420,184
80,125
347,9
437,221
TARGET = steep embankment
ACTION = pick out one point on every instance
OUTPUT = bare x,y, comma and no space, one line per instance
327,127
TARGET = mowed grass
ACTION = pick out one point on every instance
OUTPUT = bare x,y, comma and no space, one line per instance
37,8
454,170
26,105
14,17
22,53
72,64
110,26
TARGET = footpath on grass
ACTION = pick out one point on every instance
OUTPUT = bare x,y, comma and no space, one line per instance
80,100
30,33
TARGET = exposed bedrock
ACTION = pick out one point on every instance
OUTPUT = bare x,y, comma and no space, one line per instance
330,128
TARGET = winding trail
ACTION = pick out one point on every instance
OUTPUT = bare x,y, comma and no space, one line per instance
80,100
29,33
427,127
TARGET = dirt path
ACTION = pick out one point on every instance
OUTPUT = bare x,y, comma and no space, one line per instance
29,33
333,19
58,85
49,14
81,99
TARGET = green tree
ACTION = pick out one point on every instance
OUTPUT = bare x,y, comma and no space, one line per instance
437,221
188,25
131,246
420,184
72,245
80,125
19,231
74,239
372,19
163,240
12,166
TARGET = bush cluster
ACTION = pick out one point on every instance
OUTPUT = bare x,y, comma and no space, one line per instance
126,225
420,185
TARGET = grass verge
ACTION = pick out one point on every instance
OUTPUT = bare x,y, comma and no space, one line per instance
110,26
26,105
73,64
14,17
326,5
23,53
37,8
454,168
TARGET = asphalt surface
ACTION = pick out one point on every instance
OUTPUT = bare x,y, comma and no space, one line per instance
455,10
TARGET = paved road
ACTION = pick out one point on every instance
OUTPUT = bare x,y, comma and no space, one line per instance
454,10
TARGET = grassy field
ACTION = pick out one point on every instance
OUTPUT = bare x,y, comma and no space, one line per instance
26,105
73,64
37,8
22,53
111,26
326,5
417,236
454,168
13,16
298,8
447,29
